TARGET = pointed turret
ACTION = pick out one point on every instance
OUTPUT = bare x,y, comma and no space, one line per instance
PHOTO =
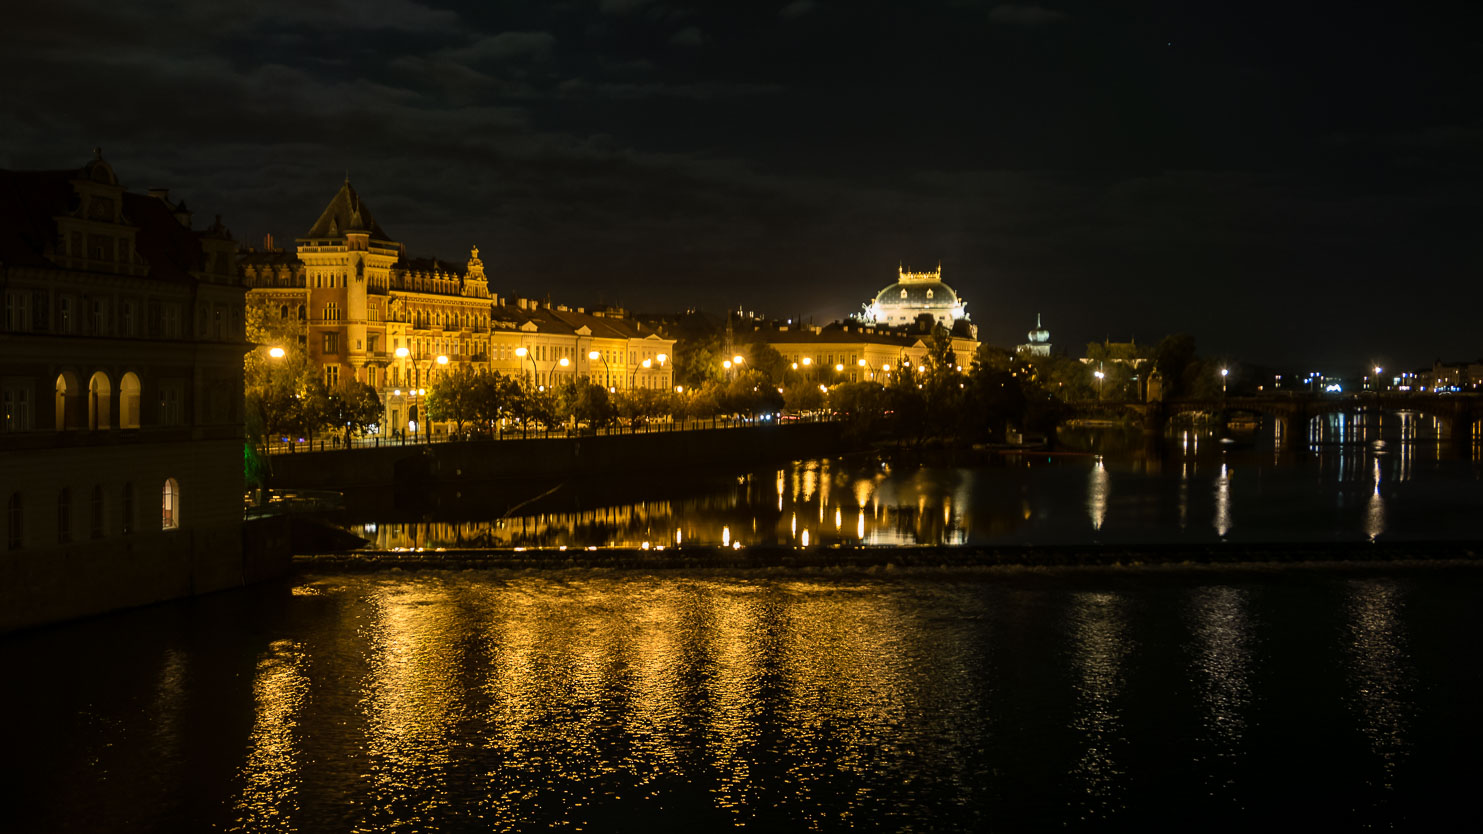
346,213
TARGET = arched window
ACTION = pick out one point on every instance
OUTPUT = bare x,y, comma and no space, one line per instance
903,292
95,513
64,515
302,312
128,401
128,508
68,391
283,312
170,505
929,293
15,514
100,401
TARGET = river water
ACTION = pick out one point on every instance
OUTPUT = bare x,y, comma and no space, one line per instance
1344,484
1332,698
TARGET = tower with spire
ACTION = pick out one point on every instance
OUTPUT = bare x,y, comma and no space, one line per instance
1039,341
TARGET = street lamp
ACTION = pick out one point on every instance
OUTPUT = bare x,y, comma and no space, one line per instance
1224,372
607,373
1100,376
535,372
647,364
869,370
276,352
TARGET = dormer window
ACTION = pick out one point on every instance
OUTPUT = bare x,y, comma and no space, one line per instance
903,292
929,293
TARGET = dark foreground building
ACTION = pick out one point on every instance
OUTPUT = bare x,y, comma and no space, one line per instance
121,375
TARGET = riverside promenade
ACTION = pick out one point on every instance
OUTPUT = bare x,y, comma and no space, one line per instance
471,461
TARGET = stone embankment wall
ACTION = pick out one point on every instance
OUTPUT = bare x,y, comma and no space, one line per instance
67,582
475,461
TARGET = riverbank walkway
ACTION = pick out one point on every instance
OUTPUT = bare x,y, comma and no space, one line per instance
335,441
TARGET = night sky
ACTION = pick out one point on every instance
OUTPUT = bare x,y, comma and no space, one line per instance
1296,185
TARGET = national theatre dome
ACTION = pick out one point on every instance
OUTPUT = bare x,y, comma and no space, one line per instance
913,294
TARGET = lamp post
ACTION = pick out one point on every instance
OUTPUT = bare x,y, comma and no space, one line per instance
646,364
607,373
535,372
1100,376
869,369
1224,372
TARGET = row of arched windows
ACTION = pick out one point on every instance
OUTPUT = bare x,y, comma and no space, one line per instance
16,536
99,393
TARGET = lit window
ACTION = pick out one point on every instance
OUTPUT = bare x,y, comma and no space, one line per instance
170,505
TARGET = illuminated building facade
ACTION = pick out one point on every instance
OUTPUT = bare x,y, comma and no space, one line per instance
860,352
364,311
121,375
915,294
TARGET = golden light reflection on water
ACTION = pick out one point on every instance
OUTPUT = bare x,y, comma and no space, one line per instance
1098,486
1380,672
1223,501
1099,649
412,701
1066,499
1375,508
272,774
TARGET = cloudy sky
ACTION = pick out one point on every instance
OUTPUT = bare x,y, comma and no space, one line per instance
1294,184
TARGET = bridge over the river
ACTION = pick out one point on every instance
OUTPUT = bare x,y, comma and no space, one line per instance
1457,415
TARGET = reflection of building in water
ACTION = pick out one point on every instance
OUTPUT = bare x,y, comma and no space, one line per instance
808,503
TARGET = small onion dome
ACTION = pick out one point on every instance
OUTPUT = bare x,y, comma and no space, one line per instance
1039,335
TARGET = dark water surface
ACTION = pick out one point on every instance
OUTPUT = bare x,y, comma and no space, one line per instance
918,700
1346,485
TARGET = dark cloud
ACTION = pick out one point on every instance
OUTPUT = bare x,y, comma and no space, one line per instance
798,8
1026,15
689,36
1278,192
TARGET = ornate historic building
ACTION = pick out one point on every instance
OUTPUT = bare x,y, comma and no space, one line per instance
121,376
915,294
364,311
859,352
